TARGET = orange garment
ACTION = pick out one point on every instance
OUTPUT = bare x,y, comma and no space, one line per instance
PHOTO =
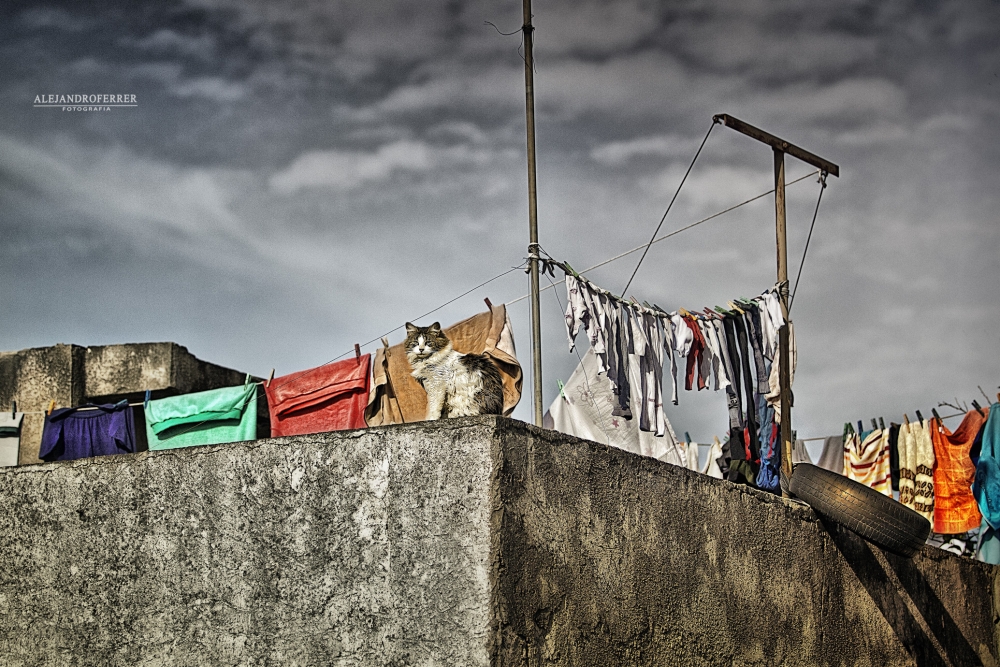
396,397
955,509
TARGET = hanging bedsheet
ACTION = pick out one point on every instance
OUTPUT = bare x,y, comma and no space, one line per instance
584,408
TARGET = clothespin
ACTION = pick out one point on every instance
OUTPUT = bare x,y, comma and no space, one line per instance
687,437
357,352
935,413
569,269
978,407
52,406
906,419
920,416
488,304
561,387
874,424
860,427
881,423
683,312
145,400
735,307
269,378
13,409
724,311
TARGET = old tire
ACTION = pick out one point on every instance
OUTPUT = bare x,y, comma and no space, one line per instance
863,510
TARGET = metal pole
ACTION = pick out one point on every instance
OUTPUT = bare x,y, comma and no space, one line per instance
536,327
784,360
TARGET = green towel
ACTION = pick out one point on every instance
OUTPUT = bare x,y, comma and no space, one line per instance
204,418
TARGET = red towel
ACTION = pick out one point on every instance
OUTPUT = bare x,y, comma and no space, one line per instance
327,398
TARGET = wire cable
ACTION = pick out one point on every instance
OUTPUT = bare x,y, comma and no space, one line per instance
675,232
822,186
430,312
657,231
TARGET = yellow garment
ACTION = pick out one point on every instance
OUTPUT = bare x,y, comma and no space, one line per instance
396,397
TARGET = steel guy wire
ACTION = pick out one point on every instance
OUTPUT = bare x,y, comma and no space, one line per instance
670,205
676,231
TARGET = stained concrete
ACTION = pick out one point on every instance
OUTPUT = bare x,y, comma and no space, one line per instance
73,375
479,541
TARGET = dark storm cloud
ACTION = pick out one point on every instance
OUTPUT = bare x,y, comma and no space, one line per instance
318,172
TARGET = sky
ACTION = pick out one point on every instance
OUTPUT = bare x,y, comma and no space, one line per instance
301,176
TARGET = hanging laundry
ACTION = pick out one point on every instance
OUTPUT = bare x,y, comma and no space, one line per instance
799,453
832,456
866,459
894,454
986,487
583,409
715,455
916,469
774,380
691,456
692,375
395,397
332,397
75,433
955,509
652,417
10,438
203,418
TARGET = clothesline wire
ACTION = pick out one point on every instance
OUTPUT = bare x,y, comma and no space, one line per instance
430,312
521,266
822,187
674,233
670,205
301,374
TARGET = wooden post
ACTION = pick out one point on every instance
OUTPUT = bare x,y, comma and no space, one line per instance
536,327
780,148
784,358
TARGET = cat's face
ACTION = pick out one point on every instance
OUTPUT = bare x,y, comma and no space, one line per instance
422,342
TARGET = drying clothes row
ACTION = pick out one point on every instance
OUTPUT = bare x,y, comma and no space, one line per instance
328,398
950,477
348,394
735,350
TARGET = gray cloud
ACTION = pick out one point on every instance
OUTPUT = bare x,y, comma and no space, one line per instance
304,175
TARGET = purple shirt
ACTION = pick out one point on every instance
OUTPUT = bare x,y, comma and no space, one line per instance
71,433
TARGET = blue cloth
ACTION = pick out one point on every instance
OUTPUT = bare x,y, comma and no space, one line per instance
988,549
71,433
986,487
770,450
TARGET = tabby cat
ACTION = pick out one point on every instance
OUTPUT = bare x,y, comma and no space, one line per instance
457,385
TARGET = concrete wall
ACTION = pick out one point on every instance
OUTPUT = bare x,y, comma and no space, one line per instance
478,541
72,375
611,559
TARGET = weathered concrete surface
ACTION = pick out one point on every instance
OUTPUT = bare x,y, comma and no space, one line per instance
357,548
72,375
610,559
479,541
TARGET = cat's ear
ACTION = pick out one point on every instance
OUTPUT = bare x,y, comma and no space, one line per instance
436,327
410,328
